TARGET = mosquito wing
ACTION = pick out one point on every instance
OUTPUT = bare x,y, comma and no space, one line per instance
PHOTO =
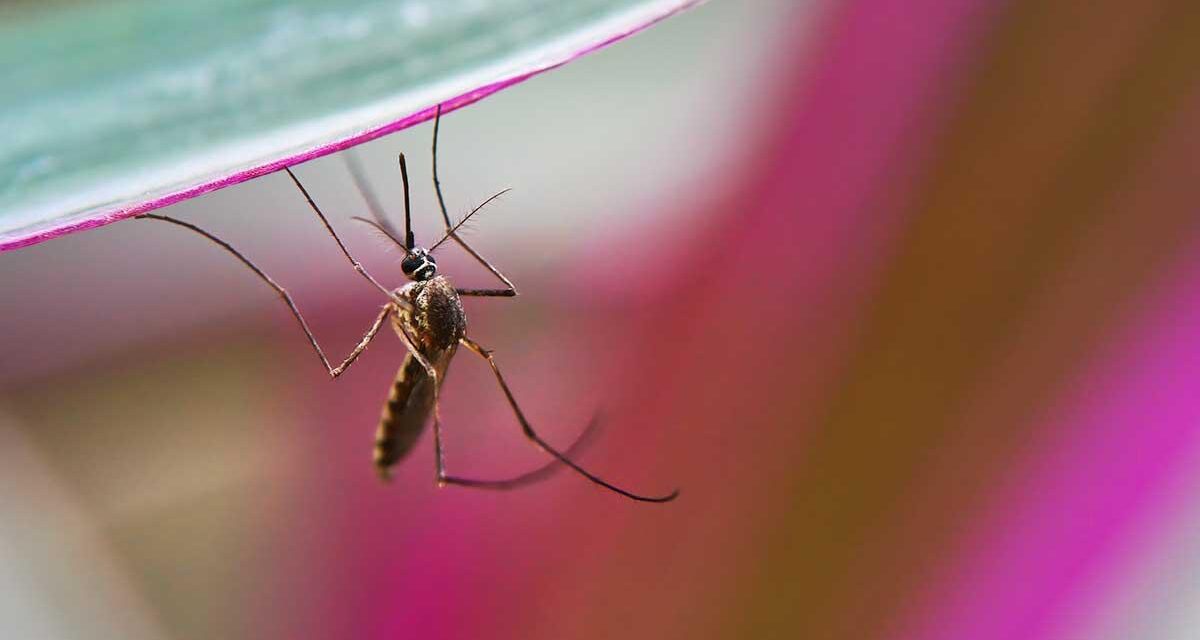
368,194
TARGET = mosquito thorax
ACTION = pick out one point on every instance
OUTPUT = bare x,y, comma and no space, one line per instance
419,264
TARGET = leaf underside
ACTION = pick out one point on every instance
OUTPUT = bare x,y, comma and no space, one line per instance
116,109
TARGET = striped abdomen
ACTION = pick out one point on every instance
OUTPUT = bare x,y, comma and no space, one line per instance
406,412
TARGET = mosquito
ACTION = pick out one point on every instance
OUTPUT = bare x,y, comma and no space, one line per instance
427,315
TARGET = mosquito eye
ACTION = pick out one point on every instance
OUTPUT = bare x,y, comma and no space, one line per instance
419,265
410,264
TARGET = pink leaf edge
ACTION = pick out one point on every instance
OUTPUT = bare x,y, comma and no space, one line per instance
101,217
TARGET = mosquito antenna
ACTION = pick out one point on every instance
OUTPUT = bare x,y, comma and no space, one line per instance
382,229
450,232
360,181
409,240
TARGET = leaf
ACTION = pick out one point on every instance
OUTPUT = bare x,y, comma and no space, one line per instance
114,109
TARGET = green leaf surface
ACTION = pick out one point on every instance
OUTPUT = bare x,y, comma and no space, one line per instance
110,109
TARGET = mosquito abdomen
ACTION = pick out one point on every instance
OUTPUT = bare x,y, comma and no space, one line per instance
404,415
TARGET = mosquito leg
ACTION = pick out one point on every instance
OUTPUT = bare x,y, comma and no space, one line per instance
438,456
529,477
411,345
510,292
494,293
401,303
362,344
287,298
437,187
545,446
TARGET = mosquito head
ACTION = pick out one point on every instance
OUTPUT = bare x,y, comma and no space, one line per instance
419,264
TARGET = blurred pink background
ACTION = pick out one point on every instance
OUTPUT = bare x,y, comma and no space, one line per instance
903,296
